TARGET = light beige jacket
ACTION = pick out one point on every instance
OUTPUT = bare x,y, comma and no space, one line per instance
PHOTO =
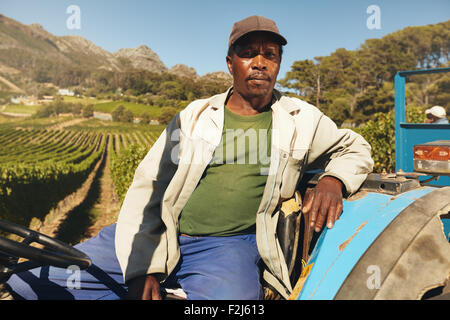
147,228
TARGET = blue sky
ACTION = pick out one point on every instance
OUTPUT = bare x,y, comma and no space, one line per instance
195,32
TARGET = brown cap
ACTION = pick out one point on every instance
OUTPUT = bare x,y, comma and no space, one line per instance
251,24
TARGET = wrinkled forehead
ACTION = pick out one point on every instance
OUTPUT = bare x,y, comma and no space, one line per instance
258,38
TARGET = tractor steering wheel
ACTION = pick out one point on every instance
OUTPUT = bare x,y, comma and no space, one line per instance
56,253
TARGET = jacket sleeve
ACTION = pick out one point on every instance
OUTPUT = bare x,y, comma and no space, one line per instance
342,153
141,240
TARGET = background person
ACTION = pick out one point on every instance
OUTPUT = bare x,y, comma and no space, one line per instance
436,115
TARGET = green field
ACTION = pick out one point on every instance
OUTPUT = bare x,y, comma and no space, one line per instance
20,108
105,106
8,120
108,106
136,108
31,123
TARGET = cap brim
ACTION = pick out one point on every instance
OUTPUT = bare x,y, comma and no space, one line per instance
280,38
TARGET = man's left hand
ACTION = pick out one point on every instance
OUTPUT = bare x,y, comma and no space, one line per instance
324,203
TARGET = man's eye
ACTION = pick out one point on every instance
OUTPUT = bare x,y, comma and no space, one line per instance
248,53
270,55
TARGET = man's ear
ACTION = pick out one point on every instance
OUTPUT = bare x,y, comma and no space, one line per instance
229,64
279,67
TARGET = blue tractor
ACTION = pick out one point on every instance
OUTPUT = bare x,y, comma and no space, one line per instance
392,241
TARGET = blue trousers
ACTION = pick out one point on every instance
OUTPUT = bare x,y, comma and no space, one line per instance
212,268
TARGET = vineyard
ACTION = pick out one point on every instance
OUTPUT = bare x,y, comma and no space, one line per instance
51,175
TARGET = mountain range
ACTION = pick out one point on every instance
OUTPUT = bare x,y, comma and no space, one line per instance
27,49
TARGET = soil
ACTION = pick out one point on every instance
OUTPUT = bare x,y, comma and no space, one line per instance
108,204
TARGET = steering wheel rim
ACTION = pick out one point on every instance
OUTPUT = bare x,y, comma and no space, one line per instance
60,255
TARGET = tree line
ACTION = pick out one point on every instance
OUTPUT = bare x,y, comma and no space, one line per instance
356,84
151,87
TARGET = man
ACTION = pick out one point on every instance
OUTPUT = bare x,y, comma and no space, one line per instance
203,200
436,115
203,206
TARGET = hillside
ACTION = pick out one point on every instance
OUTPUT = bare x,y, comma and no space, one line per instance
29,54
26,48
30,46
34,62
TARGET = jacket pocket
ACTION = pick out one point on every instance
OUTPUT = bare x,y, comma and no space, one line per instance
291,176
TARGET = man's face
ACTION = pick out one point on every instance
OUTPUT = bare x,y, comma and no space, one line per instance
255,64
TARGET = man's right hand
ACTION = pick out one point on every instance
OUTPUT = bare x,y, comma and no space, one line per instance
144,288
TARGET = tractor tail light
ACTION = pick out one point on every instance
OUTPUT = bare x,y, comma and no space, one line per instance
432,157
424,152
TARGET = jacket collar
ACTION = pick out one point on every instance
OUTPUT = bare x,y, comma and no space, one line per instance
283,108
279,101
218,101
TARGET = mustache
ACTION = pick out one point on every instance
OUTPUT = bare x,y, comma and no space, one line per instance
258,76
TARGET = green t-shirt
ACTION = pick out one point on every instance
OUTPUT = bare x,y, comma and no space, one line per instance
228,195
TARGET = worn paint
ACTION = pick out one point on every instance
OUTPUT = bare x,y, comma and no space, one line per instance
346,242
301,281
358,195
